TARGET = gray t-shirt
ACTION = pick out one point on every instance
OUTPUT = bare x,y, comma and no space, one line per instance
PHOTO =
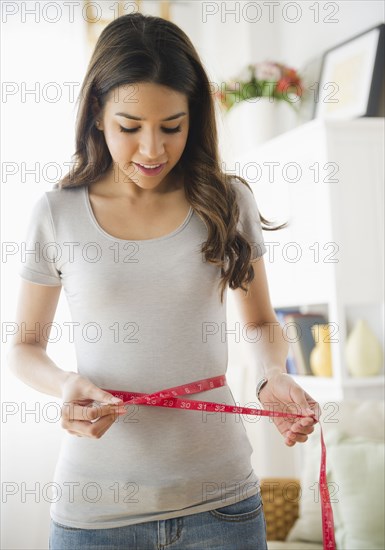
146,315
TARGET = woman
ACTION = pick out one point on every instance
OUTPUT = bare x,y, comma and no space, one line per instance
145,234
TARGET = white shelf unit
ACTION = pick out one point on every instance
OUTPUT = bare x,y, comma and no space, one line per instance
328,182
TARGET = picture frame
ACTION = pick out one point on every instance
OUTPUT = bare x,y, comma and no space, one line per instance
351,82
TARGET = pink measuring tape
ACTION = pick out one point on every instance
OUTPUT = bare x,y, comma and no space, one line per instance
169,398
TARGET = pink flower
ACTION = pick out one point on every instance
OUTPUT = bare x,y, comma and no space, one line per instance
267,71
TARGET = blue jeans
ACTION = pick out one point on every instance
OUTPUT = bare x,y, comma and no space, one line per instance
239,526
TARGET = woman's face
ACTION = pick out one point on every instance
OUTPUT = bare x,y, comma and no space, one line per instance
144,124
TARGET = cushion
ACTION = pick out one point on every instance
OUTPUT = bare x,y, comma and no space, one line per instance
283,545
308,526
340,421
355,418
357,473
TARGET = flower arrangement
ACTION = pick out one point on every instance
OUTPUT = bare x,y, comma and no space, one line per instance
265,79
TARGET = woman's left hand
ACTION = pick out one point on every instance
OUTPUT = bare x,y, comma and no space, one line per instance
283,394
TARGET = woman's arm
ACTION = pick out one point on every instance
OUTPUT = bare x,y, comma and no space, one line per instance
28,360
27,357
270,350
260,324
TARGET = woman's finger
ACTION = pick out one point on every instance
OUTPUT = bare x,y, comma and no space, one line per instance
291,439
299,432
305,425
313,406
91,429
302,430
89,412
300,427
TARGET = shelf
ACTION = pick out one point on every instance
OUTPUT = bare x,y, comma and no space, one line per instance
330,257
323,381
325,126
326,390
320,388
369,381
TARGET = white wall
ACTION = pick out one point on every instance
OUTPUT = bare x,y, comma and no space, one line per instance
337,22
39,131
38,135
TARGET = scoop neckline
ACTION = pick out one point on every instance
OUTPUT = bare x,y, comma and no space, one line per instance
109,236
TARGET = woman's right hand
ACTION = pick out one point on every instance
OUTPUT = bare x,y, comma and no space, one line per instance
83,417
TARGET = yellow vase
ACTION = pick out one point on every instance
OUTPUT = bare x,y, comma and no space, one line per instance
321,354
363,352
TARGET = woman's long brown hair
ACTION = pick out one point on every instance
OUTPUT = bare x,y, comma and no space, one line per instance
142,48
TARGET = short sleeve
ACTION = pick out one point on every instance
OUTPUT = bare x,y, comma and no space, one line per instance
39,251
249,221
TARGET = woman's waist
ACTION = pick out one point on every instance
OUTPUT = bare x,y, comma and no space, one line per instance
146,376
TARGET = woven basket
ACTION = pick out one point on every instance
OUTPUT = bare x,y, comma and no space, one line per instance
280,497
